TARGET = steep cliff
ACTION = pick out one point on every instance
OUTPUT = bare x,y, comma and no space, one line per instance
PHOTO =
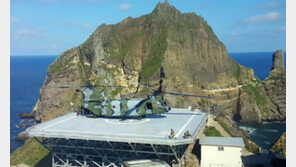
266,100
167,48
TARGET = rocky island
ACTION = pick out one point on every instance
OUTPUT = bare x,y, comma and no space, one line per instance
167,48
178,52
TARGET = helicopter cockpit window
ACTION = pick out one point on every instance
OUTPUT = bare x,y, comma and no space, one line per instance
149,105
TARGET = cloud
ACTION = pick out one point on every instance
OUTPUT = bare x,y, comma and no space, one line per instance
76,24
14,20
54,45
270,5
27,33
234,33
124,7
87,26
282,29
269,17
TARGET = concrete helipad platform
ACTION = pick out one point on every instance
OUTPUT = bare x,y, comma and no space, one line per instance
151,130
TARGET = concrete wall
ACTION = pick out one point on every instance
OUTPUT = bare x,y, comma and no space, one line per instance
211,157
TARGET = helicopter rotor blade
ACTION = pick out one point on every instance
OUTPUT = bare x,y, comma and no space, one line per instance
89,101
101,86
146,86
63,87
134,94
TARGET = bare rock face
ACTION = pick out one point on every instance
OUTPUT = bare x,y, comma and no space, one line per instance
276,91
248,112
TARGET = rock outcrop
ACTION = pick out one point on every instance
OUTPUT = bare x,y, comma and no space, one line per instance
265,100
27,115
278,61
279,146
22,136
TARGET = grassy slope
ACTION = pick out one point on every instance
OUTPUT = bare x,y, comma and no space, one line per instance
39,156
212,131
260,100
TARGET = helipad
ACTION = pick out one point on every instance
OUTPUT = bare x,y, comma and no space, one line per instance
150,130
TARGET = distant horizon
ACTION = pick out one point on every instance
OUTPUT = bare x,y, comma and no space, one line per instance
60,53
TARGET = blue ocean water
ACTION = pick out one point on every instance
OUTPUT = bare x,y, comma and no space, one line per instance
265,134
27,75
260,62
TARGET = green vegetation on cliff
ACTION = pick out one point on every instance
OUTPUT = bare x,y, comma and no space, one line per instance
212,131
154,61
254,91
64,60
31,153
225,127
278,77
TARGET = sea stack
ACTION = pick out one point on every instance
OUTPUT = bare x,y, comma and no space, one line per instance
275,84
278,62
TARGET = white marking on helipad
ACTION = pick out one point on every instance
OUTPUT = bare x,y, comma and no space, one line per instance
58,122
164,132
128,122
185,125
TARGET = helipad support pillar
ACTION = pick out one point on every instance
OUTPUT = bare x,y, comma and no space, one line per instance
74,152
52,160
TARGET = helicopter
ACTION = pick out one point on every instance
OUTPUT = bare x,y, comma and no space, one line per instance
96,104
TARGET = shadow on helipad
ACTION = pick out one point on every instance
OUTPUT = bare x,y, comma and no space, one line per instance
183,113
155,116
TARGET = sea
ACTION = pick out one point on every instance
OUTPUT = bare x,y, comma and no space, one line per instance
28,73
27,76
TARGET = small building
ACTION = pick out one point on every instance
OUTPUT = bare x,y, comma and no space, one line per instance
221,151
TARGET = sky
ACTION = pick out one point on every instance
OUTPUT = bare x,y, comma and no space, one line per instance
50,27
